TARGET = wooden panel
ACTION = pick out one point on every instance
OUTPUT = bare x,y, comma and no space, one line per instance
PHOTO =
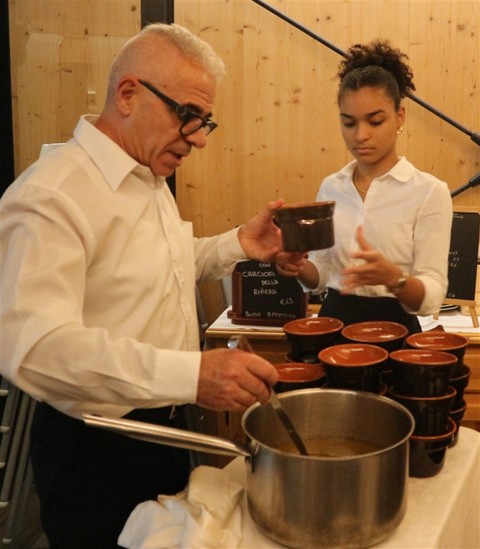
278,132
60,55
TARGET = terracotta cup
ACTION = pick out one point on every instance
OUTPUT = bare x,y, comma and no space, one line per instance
299,375
457,414
430,413
460,382
427,453
307,226
356,366
421,372
438,340
388,335
308,336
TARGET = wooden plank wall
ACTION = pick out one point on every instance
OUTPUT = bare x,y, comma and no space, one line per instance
278,132
61,53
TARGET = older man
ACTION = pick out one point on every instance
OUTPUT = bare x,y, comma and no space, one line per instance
98,277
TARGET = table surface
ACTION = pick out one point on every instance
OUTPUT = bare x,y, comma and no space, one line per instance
452,321
442,511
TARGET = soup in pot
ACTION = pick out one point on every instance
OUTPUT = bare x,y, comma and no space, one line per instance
332,447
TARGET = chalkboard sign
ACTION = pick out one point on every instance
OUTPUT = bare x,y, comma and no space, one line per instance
260,295
463,257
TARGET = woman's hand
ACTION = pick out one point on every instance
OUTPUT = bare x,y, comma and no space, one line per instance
376,269
371,269
286,267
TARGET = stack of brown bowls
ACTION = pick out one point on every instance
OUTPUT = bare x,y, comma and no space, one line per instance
455,344
421,380
385,334
354,366
308,336
299,375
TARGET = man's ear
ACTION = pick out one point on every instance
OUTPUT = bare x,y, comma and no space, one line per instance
125,96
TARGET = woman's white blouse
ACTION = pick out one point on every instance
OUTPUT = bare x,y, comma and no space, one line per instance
406,215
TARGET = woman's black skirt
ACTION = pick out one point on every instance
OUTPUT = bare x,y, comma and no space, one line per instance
353,308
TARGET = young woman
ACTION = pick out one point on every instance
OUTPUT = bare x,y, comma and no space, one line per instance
392,222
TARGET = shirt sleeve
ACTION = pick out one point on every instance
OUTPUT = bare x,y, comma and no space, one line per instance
215,257
431,247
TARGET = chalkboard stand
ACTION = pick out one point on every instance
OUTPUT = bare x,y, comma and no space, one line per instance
463,260
262,297
464,303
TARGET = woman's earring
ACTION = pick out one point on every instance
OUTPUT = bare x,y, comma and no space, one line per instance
400,130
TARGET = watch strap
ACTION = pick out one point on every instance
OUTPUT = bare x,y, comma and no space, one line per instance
399,285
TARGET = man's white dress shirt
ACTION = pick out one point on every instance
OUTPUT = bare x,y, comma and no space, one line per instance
97,279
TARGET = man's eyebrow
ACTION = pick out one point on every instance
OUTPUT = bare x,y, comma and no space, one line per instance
197,110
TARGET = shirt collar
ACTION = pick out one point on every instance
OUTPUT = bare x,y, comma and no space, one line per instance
402,171
114,163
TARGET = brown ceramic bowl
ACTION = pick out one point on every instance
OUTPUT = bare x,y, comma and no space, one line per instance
427,454
421,372
356,366
299,375
460,383
308,336
382,391
431,413
306,227
307,359
456,414
441,341
388,335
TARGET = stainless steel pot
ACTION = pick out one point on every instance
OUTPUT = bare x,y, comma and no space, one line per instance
313,501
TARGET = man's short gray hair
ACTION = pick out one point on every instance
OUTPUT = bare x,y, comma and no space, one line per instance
191,45
141,53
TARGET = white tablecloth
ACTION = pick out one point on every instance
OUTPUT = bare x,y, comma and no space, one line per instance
442,511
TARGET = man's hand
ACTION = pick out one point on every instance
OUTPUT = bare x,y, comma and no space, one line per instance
233,380
261,239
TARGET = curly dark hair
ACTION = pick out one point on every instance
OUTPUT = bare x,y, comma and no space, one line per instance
377,65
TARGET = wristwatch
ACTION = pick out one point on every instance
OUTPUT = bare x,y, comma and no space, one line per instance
400,284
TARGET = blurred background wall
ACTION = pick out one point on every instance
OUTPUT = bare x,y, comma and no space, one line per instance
278,132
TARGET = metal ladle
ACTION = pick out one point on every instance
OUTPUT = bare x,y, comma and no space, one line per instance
241,342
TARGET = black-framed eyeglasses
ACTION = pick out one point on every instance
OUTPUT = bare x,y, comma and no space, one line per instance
192,122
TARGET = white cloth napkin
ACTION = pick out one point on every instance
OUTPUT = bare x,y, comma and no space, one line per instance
206,514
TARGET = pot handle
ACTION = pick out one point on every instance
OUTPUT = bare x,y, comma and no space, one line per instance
161,434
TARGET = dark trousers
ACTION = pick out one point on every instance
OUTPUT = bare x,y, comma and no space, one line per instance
353,308
89,480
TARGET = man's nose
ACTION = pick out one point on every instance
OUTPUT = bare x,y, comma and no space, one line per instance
197,139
